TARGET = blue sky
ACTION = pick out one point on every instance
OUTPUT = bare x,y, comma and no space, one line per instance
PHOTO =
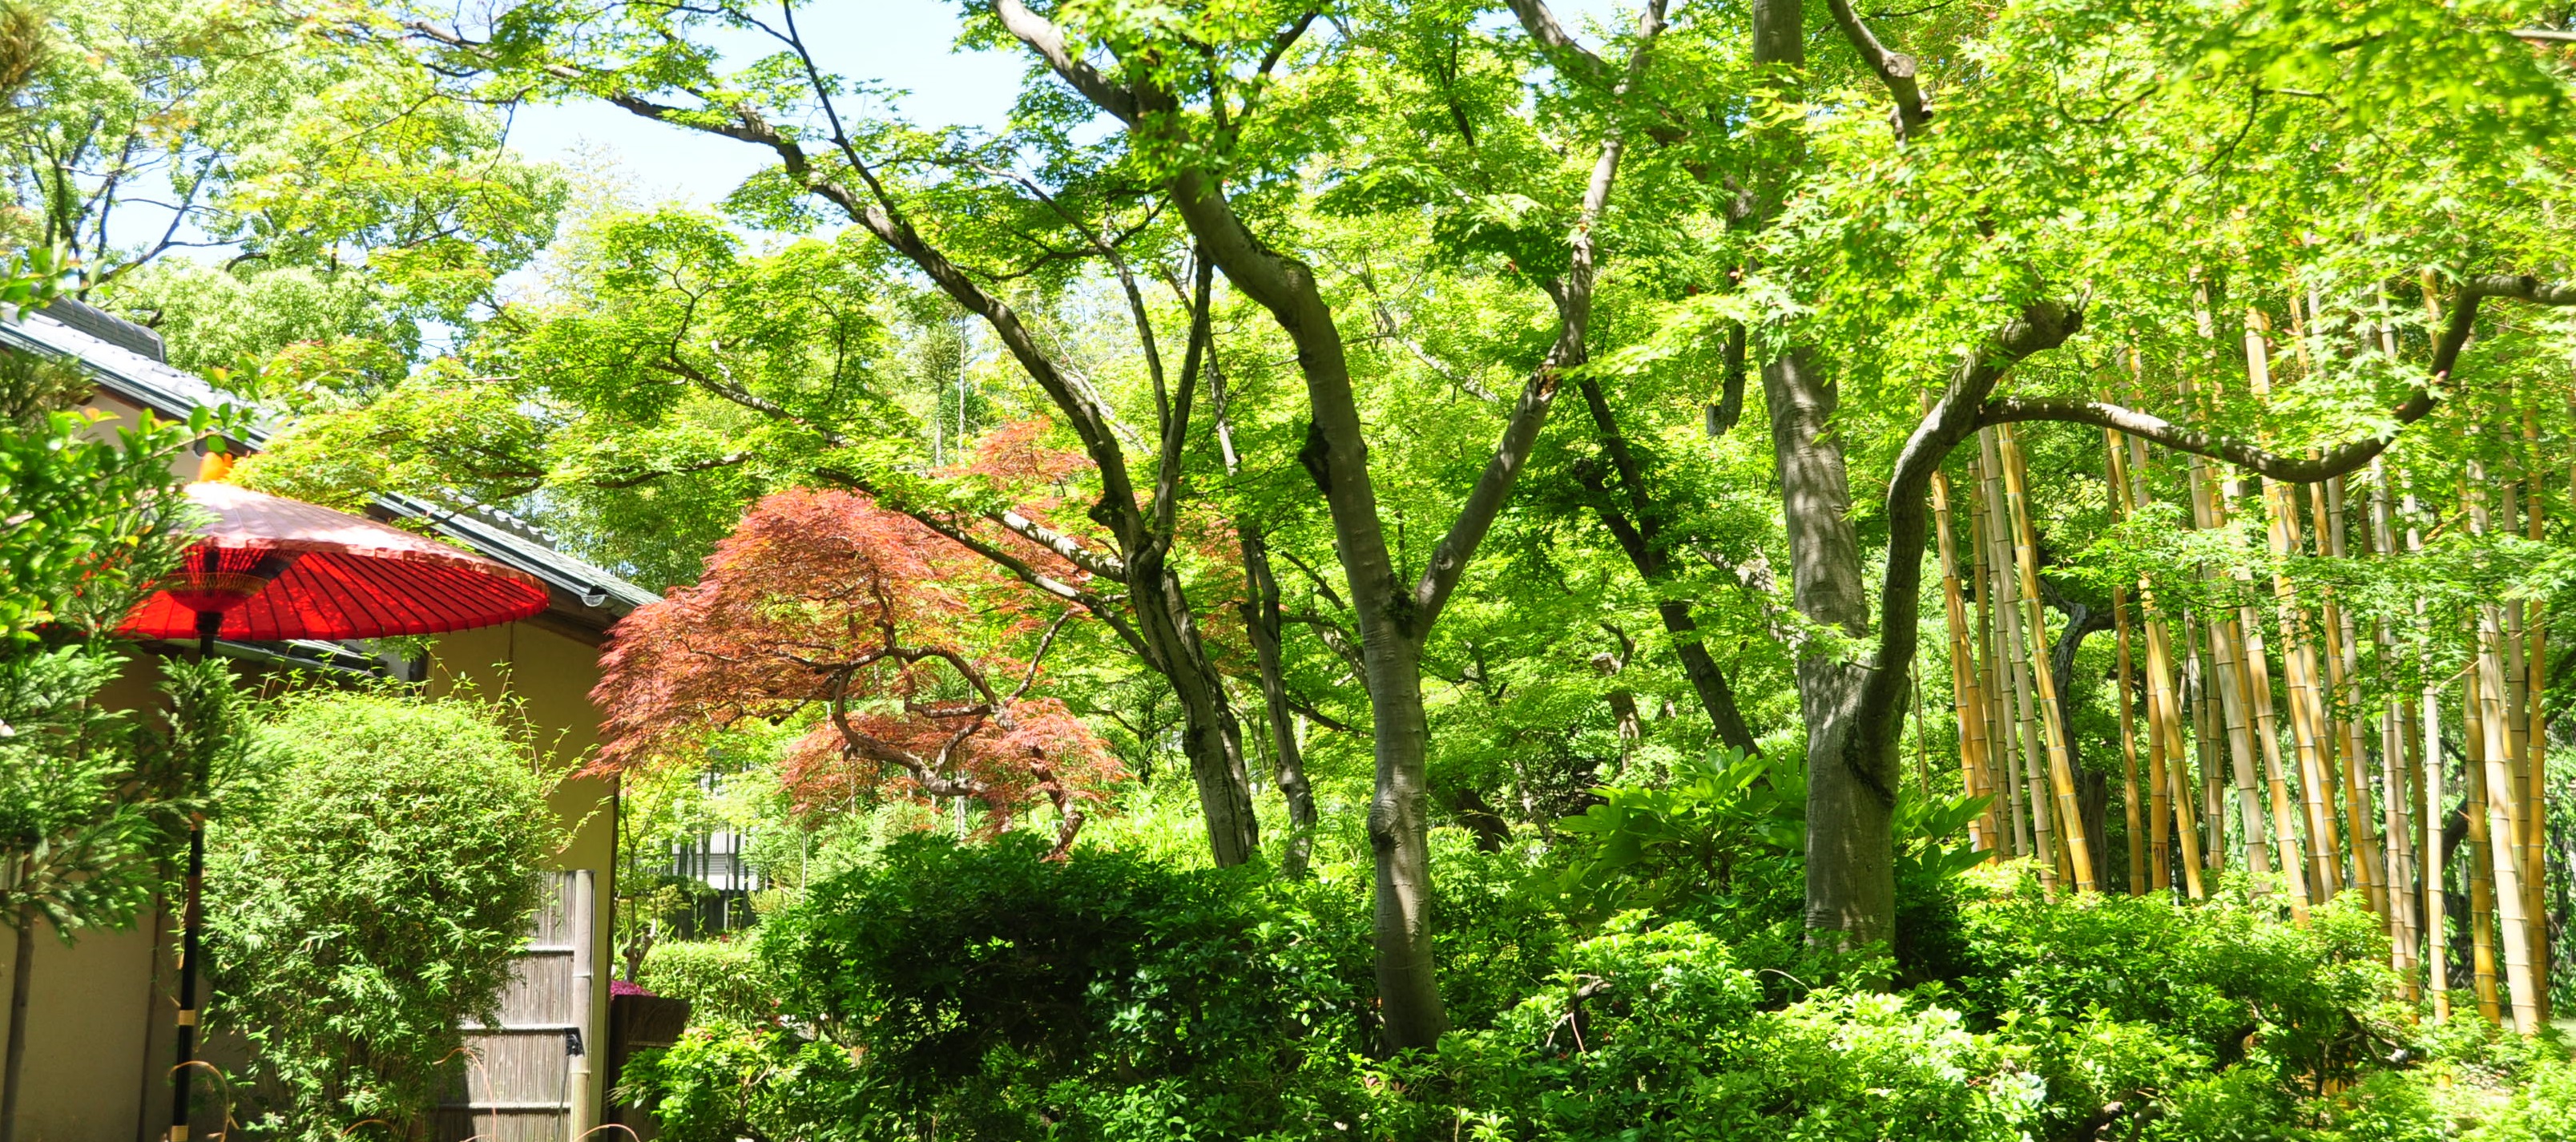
903,44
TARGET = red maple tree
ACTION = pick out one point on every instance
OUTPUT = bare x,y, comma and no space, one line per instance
824,598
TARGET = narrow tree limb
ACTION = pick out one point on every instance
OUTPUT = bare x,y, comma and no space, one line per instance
1556,42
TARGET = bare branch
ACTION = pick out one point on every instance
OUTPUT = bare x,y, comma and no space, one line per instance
1574,311
1551,36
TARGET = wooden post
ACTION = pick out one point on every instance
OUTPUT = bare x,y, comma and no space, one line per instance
583,1100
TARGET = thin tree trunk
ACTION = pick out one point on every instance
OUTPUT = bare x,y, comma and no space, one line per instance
1639,529
1263,622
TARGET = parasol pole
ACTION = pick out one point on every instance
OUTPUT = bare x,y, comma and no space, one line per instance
182,1076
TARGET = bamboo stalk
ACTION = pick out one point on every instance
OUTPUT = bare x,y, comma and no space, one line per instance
1967,705
2428,764
2003,818
2404,923
2230,679
2298,663
2040,842
2481,867
2536,735
2115,455
2207,740
2503,790
2343,667
2061,772
2167,774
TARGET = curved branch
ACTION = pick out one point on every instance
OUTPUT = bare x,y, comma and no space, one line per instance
2330,463
2042,326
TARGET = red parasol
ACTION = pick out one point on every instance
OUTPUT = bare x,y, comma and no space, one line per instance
270,569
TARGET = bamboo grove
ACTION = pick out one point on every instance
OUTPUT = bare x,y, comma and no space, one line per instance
2293,707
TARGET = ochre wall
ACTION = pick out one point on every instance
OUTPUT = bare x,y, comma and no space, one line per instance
552,673
99,1013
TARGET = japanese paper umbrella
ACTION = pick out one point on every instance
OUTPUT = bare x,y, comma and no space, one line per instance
268,569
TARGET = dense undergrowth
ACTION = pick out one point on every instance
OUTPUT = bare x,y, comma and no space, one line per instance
979,992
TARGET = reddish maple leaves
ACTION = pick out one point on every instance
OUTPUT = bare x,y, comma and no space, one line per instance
824,598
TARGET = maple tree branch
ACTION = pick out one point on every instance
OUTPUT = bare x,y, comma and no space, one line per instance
1108,567
1552,36
1574,310
1044,642
2042,326
1041,34
1896,70
1316,716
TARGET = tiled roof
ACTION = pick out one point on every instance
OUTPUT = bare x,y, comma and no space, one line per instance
145,381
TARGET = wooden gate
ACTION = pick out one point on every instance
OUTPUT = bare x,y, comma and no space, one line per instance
529,1073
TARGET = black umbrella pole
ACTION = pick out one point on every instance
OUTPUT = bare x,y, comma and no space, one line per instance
183,1075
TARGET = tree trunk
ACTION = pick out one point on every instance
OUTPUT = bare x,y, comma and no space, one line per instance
1262,621
1639,530
1851,789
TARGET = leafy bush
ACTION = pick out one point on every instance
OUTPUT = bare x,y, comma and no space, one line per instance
724,982
373,904
1007,996
2228,975
1115,997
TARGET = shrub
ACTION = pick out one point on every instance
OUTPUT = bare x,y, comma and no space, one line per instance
1657,1033
2227,974
373,904
725,983
1008,996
